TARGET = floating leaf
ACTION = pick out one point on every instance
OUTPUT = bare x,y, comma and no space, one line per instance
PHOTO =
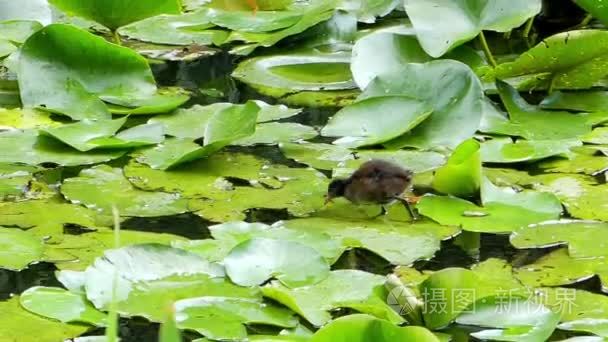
461,176
275,132
25,118
140,264
503,210
224,318
533,123
14,179
319,156
517,320
583,159
29,148
163,101
248,21
504,150
342,289
461,106
588,325
584,238
437,38
386,50
78,69
353,328
597,136
190,122
17,324
400,243
102,187
62,305
79,134
572,60
417,161
19,249
117,13
584,101
280,75
394,116
254,261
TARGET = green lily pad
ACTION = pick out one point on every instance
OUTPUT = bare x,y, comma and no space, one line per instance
19,249
221,128
79,134
584,101
272,133
14,179
401,243
417,161
572,60
248,21
114,14
517,320
79,68
533,123
319,156
341,289
48,214
505,151
583,159
558,268
136,265
582,197
224,318
598,136
102,187
584,238
189,122
461,176
254,261
355,328
460,107
274,112
17,31
437,38
589,325
184,29
201,178
503,210
136,136
163,101
386,50
29,148
280,75
300,191
393,117
17,324
25,118
62,305
367,11
229,235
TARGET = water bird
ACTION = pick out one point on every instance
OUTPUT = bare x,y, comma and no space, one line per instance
375,182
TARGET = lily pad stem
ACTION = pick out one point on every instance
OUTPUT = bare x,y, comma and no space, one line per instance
116,37
486,49
528,28
586,21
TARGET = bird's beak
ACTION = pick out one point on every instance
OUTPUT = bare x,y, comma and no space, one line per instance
328,199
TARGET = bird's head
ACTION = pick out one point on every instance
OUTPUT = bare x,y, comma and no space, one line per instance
336,188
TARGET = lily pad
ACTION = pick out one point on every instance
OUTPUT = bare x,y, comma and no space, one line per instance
137,265
462,21
503,210
79,134
461,176
254,261
224,318
460,107
341,289
360,328
417,161
531,122
584,101
280,75
319,156
19,249
62,305
597,136
17,324
72,87
114,14
14,179
248,21
163,101
517,320
36,10
390,240
29,148
275,132
584,159
505,151
48,214
25,118
189,122
584,238
102,187
590,325
394,116
572,60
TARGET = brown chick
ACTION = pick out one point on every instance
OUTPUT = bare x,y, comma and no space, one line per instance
376,181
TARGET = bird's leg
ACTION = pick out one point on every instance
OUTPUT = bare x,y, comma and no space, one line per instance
406,203
382,212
